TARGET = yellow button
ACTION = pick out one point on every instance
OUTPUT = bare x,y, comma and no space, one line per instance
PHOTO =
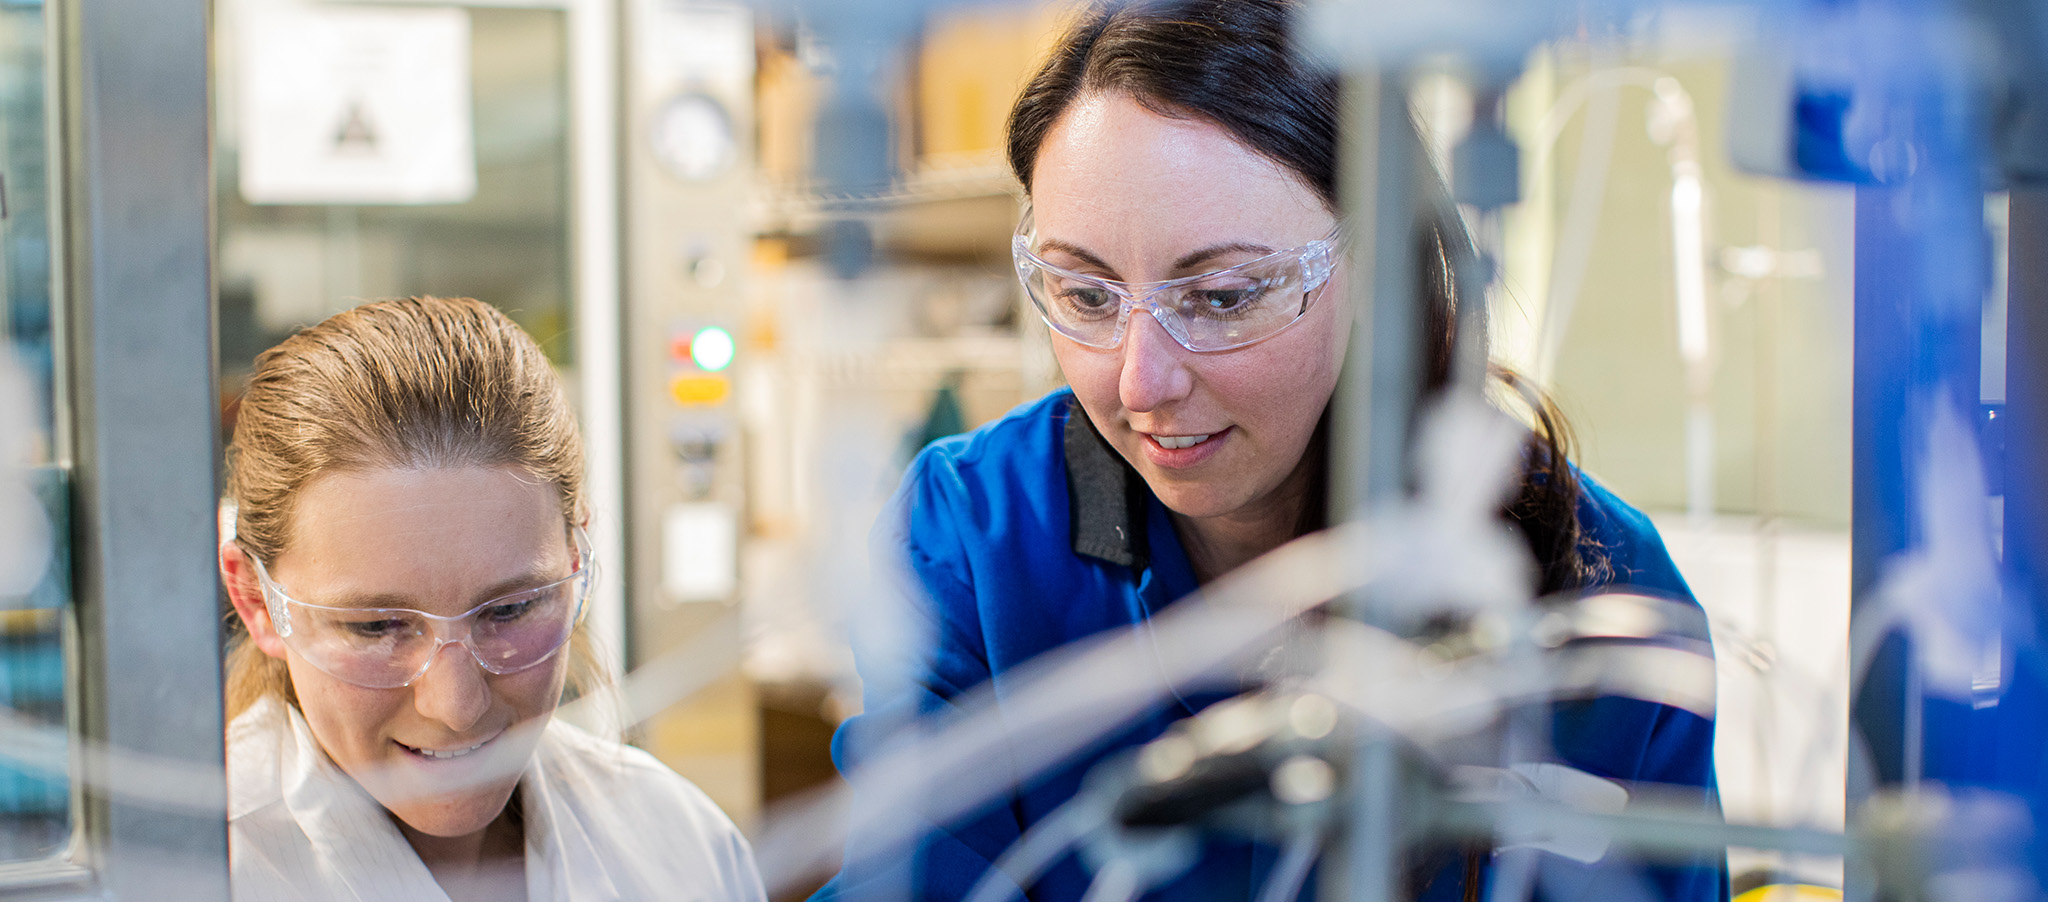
1788,892
699,389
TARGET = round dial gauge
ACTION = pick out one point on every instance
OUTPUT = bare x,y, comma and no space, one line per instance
693,137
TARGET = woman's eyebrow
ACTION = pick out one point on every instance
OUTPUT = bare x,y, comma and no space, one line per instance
1187,261
1190,260
1075,251
532,579
364,600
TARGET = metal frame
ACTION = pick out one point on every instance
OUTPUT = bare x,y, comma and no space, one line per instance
1376,396
134,232
595,265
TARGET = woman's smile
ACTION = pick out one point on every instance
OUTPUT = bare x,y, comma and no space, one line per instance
446,751
1181,452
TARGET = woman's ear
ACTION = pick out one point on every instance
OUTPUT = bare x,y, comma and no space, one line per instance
239,576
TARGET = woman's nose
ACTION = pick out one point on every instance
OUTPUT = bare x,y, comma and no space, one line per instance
1155,371
454,691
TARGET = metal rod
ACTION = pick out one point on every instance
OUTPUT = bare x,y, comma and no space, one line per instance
1647,827
1382,373
1375,398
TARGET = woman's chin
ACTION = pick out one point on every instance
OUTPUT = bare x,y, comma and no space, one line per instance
449,818
1196,501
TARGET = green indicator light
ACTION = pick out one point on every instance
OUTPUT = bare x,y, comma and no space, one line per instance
712,349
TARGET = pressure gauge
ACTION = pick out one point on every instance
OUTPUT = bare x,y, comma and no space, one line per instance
693,137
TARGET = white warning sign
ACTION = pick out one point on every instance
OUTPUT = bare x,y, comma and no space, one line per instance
346,104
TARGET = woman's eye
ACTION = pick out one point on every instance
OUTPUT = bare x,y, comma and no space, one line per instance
1226,301
375,629
1087,299
508,612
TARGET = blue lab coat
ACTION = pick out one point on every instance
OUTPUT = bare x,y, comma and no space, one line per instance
1030,533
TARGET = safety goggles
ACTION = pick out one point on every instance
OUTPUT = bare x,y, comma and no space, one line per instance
385,648
1214,311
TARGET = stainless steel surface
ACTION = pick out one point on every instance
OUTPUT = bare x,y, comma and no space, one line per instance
1369,441
137,283
1377,390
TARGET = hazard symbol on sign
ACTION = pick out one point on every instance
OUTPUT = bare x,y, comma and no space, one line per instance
345,104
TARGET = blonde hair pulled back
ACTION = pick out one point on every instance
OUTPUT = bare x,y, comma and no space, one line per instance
408,383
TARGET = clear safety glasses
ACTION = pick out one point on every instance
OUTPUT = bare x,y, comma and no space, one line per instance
1214,311
385,648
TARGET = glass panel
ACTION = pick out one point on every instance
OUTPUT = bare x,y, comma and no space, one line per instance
35,794
283,266
1736,440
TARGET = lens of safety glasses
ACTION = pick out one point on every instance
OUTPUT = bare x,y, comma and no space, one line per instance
384,648
1215,311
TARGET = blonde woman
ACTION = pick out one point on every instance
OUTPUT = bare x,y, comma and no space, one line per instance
409,570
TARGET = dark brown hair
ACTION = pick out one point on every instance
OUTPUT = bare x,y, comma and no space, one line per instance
1232,62
405,383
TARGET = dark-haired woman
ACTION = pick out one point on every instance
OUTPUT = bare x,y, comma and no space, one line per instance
1174,154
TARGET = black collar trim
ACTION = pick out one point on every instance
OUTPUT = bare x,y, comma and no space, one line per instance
1105,497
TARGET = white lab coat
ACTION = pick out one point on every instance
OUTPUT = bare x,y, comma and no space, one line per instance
603,822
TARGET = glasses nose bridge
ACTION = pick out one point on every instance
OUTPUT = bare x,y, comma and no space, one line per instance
451,631
446,631
1146,299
